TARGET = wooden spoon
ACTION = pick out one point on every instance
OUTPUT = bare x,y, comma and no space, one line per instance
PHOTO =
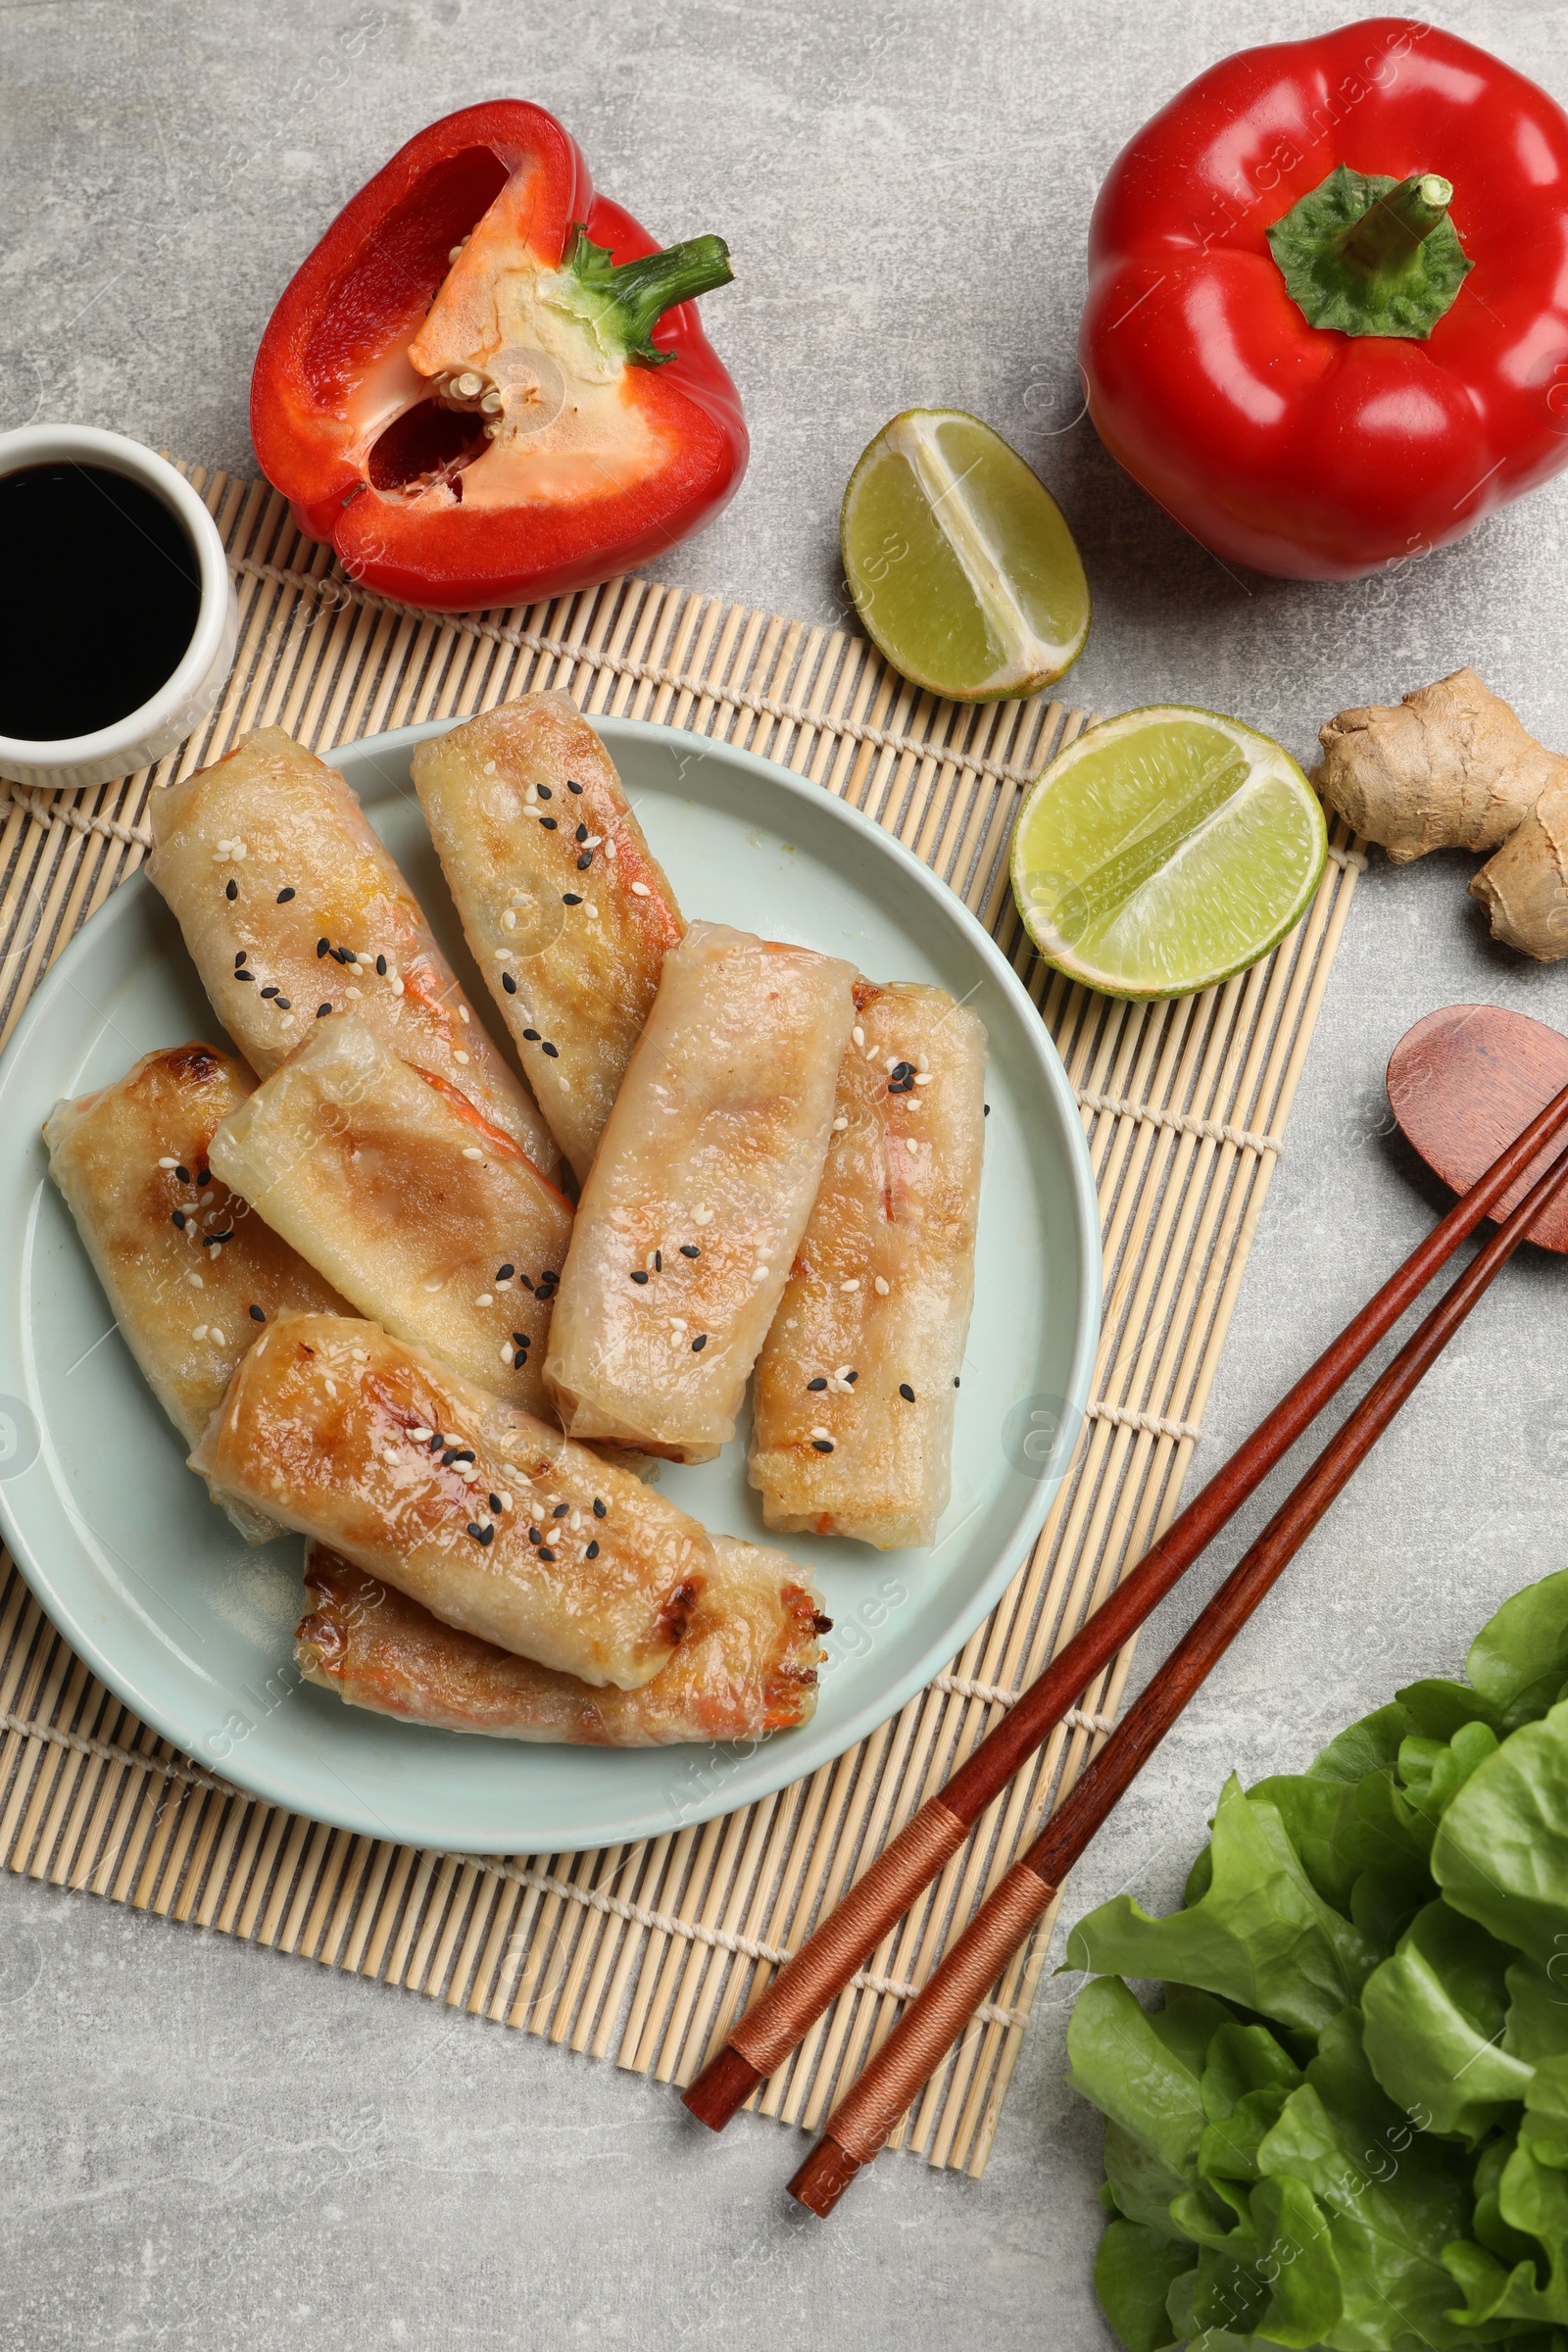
1463,1083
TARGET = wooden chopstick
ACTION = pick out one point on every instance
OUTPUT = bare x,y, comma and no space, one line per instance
816,1974
862,2121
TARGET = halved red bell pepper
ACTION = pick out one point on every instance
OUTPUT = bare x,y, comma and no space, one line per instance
487,384
1327,325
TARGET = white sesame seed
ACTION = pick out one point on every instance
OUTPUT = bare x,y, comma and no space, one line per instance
205,1197
331,1385
397,987
858,1034
509,921
464,1015
759,1273
485,1298
389,1453
891,1064
472,1151
871,1052
640,890
821,1432
881,1286
593,841
701,1216
352,991
504,956
489,767
922,1077
611,850
506,1352
510,1470
458,1055
360,1356
840,1122
196,1282
237,849
433,1286
200,1332
221,849
575,1521
421,1436
216,1334
852,1284
504,1498
915,1104
911,1147
530,796
167,1162
677,1323
592,912
843,1372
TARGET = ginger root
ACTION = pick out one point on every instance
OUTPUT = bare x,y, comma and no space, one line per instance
1454,768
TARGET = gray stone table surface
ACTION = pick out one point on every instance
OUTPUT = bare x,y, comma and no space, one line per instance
207,2145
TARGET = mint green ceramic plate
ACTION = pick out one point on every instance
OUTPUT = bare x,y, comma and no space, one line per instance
194,1629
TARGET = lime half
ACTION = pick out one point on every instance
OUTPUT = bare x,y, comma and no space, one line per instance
1164,851
959,561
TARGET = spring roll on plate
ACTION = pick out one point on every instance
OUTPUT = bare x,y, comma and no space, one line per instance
190,1275
567,912
746,1666
493,1522
854,1394
435,1223
293,910
700,1192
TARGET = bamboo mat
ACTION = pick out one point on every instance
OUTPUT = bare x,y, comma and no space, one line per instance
649,1952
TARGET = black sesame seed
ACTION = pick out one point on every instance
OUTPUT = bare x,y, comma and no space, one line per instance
561,1511
523,1279
813,1386
554,1052
599,1506
449,1458
476,1531
545,793
700,1342
495,1503
954,1383
549,824
203,1175
183,1174
487,1536
572,898
322,1011
906,1391
585,861
228,1234
534,1535
462,1453
550,1275
821,1445
284,896
531,1035
231,890
571,786
988,1110
380,965
321,946
239,958
509,984
659,1262
690,1250
271,990
505,1273
437,1441
850,1378
545,1552
340,955
639,1276
521,1339
282,1005
244,975
257,1315
592,1553
179,1219
582,833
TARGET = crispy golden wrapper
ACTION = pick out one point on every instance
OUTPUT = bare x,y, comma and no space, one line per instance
704,1178
567,912
855,1393
191,1276
376,1449
290,838
746,1666
434,1224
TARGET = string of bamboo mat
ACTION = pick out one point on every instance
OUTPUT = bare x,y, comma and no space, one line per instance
647,1952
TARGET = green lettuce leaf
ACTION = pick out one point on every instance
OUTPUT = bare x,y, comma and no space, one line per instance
1370,1744
1519,1659
1135,2271
1435,2018
1500,1853
1531,2203
1261,1936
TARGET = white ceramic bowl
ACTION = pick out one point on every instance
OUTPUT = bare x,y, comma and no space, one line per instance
179,707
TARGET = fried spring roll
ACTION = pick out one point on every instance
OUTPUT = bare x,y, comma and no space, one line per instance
493,1522
292,909
853,1400
567,910
700,1192
747,1665
431,1221
190,1276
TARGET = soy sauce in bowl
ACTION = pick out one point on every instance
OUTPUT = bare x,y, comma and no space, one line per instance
99,593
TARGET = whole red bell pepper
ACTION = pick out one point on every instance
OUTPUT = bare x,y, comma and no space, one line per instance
1327,325
487,384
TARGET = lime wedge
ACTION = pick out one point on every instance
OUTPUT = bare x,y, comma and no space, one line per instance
959,561
1164,851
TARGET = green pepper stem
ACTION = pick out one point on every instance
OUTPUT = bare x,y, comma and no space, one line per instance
1388,235
635,295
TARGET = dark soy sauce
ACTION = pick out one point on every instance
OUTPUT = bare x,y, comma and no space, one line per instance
99,590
